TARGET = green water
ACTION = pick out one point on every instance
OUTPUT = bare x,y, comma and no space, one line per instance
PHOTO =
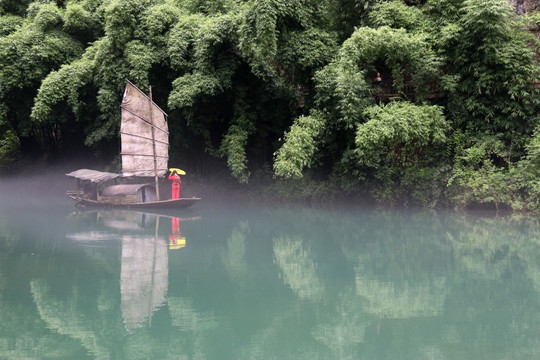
248,281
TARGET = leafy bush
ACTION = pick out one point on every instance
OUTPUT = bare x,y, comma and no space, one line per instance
299,147
9,148
527,176
401,146
9,23
396,14
476,179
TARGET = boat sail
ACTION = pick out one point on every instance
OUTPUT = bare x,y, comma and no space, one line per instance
144,137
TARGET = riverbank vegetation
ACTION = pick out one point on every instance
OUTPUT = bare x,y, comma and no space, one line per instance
420,102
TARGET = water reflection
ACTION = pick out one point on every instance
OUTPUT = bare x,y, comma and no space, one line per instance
234,255
144,266
298,268
143,278
279,282
176,241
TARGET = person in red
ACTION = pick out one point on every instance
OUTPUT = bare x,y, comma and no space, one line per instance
176,181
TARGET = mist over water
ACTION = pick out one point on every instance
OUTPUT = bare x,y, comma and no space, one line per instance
246,280
44,186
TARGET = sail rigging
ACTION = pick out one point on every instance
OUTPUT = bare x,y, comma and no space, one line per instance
144,135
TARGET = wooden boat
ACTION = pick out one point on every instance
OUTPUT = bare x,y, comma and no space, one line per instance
144,139
80,200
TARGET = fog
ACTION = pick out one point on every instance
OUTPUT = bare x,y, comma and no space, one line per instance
40,185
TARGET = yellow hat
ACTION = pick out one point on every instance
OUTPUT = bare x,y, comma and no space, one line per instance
178,171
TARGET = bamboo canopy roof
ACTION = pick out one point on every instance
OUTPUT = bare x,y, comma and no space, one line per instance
93,175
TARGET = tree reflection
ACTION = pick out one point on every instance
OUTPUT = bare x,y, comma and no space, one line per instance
298,268
276,283
346,331
67,318
401,301
233,256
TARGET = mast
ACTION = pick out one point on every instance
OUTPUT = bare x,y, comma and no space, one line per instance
154,146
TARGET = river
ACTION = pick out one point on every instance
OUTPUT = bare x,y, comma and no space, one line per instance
253,281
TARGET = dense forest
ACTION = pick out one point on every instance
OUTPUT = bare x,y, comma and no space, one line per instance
420,102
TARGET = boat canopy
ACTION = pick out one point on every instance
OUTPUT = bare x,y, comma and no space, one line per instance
93,175
124,189
128,194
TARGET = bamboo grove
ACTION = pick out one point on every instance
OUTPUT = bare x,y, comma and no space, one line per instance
419,102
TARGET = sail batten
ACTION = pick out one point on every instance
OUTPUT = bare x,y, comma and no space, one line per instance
140,148
144,137
128,154
146,120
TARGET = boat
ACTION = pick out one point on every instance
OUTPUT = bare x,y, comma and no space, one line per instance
144,140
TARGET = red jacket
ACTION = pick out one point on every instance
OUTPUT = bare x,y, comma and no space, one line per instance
175,179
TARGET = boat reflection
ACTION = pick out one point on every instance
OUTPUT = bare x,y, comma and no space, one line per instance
144,257
143,277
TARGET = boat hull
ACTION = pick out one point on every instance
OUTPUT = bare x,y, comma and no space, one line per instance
162,204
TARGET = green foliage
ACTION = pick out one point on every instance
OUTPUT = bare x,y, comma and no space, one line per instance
401,143
395,14
233,146
208,7
484,175
346,15
236,77
212,71
48,17
345,85
140,59
83,20
15,7
443,11
353,93
123,20
187,88
9,141
262,25
9,24
492,100
9,148
343,92
526,177
160,19
108,124
63,84
399,131
299,147
495,67
310,49
182,39
476,180
28,55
